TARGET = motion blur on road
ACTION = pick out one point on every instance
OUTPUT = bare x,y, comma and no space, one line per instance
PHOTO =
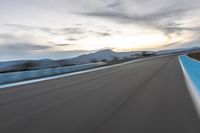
99,66
147,96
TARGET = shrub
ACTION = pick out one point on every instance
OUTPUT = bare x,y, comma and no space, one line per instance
27,65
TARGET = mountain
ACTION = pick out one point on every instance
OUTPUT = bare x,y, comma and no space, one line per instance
103,55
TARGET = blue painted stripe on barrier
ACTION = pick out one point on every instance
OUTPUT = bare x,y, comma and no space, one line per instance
33,74
192,67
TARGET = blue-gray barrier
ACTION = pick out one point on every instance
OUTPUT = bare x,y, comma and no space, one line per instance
33,74
192,68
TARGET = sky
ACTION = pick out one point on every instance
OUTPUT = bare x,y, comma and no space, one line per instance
55,29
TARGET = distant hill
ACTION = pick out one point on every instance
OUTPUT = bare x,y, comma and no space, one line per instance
103,55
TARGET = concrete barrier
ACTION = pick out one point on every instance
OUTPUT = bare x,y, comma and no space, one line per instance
12,77
191,71
192,67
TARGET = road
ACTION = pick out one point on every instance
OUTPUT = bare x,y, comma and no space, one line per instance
148,96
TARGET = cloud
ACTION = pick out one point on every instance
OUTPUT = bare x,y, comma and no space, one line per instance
27,27
193,43
63,44
7,36
197,29
18,47
105,18
16,51
67,30
72,39
102,34
113,5
52,31
124,18
74,30
160,16
171,44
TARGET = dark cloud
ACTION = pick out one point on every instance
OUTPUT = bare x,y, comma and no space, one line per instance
27,27
79,24
179,30
63,44
77,32
197,29
113,5
16,51
72,39
18,47
74,30
71,30
102,34
7,36
162,19
142,19
171,44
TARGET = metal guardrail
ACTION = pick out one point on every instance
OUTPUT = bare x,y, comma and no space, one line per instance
12,77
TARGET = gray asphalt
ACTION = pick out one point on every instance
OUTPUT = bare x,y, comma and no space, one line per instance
147,96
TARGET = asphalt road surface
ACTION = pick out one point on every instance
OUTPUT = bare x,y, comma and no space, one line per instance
148,96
